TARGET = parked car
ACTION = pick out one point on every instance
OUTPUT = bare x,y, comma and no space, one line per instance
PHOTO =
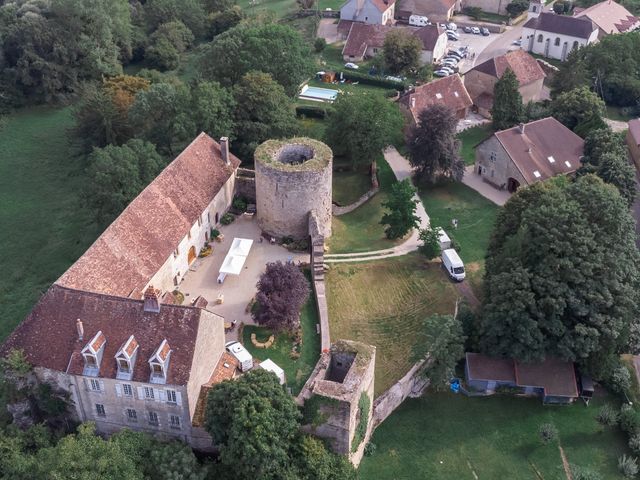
453,36
518,42
475,30
352,66
395,79
441,73
452,26
455,54
449,63
450,70
467,29
485,31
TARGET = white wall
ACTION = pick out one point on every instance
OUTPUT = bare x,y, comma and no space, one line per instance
555,51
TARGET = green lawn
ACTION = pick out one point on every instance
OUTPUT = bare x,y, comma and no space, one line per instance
472,137
278,7
332,4
383,303
297,371
446,436
617,113
348,184
44,224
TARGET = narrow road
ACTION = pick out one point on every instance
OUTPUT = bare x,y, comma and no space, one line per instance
402,169
501,45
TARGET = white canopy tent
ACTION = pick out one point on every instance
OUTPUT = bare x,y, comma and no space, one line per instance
237,255
270,366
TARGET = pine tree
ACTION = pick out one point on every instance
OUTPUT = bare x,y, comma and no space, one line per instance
507,108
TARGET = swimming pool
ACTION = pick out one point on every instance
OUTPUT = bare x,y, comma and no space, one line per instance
318,94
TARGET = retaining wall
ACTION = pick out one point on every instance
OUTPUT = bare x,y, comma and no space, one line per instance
339,210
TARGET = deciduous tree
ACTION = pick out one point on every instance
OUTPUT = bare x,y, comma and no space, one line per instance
576,107
507,108
212,109
430,247
167,44
190,12
401,51
434,150
401,218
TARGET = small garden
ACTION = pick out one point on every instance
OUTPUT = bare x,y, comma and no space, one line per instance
472,137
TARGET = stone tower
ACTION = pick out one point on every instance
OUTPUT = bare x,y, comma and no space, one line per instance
293,182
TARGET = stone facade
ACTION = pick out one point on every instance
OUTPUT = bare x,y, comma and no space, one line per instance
495,166
366,11
293,179
491,6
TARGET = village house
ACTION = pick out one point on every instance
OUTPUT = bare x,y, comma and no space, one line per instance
109,331
610,17
633,140
492,6
528,153
378,12
447,91
435,10
555,36
554,380
481,79
365,41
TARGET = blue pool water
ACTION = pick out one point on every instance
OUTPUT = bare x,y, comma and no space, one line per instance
319,94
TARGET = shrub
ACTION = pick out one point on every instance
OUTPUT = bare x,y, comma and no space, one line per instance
319,45
375,81
548,432
361,429
559,7
311,111
580,473
634,444
628,466
629,420
473,12
227,218
607,415
430,247
239,204
370,449
215,233
621,379
391,93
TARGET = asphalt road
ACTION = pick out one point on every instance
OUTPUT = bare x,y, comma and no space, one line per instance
500,45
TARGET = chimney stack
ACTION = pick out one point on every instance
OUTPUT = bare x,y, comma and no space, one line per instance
413,102
521,128
151,300
80,329
224,149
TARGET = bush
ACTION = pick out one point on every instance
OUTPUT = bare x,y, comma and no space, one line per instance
361,429
634,444
548,432
607,415
312,111
319,45
391,93
473,12
629,420
370,449
430,247
559,8
580,473
227,218
215,233
239,204
374,81
621,379
628,466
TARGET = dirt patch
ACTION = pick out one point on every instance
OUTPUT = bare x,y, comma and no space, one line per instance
565,464
464,289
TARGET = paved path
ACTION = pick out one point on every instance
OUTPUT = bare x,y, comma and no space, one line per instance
501,44
472,180
328,29
402,169
616,125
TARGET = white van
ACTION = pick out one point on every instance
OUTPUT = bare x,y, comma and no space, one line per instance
453,264
418,20
242,355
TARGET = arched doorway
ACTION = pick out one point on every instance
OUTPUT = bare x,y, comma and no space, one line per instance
192,255
512,185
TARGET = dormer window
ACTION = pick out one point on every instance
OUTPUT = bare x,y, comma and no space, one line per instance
126,359
159,363
92,353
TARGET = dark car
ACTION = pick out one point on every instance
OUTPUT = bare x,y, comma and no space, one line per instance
467,29
485,31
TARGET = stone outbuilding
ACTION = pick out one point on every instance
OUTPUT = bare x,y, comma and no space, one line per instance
435,10
293,181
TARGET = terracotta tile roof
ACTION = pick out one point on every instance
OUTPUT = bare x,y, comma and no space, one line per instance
364,35
344,26
484,100
426,7
163,350
131,346
578,27
482,367
134,247
610,17
227,369
49,339
634,129
556,377
523,65
448,91
545,149
383,5
98,341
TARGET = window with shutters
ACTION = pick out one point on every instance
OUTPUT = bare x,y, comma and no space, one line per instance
171,396
127,390
94,385
132,415
174,421
153,418
100,410
148,393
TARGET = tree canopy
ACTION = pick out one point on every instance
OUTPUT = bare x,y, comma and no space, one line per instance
434,149
577,107
401,217
561,273
507,108
361,126
401,51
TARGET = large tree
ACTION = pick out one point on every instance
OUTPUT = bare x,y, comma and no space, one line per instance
282,291
434,149
212,108
577,107
190,12
361,126
401,217
561,274
118,174
275,49
167,44
401,51
507,108
263,111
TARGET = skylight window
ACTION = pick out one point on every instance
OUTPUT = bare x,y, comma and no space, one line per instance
456,94
536,174
551,159
438,95
567,164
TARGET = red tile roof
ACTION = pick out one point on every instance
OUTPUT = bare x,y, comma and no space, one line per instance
556,377
610,17
134,247
226,369
131,346
49,339
634,129
523,65
383,5
448,91
546,147
98,341
364,35
164,351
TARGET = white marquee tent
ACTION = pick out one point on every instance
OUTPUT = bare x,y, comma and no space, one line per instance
237,255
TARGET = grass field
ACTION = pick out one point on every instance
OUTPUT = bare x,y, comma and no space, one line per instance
44,224
470,138
444,436
279,8
297,371
348,184
383,303
617,113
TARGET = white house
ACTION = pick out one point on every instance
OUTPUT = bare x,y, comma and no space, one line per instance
378,12
555,36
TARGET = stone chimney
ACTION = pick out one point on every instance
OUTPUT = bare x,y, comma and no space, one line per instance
224,150
152,300
80,329
413,102
521,128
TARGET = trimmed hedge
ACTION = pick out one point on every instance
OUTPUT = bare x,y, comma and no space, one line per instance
311,111
374,81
